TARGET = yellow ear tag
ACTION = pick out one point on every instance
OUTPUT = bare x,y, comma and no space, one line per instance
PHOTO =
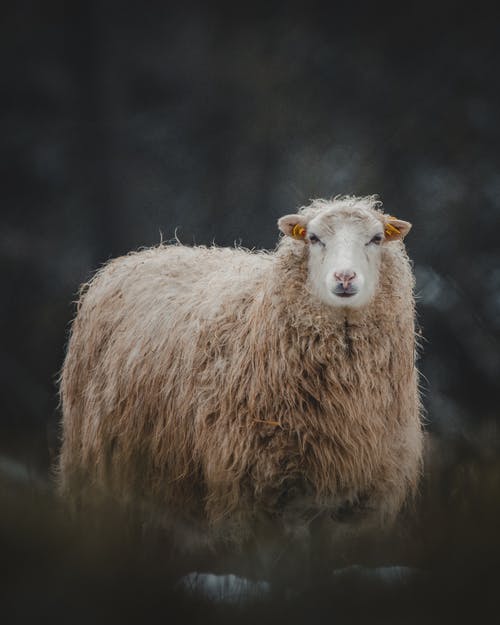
391,230
298,232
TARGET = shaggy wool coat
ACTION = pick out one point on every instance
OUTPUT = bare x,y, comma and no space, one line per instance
208,381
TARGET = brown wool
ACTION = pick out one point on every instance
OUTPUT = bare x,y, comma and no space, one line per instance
208,381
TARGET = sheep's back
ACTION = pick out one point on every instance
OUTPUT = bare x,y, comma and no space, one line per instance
136,343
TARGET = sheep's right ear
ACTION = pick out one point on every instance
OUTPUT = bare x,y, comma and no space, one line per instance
395,228
293,226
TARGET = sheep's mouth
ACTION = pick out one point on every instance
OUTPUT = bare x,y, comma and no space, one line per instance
345,293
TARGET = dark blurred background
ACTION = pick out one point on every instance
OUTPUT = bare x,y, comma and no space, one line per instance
124,123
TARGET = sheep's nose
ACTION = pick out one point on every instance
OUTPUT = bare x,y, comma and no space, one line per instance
346,277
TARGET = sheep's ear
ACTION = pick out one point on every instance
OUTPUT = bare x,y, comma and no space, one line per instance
395,229
293,226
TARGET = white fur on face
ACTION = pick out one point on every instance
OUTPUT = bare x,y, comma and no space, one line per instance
345,246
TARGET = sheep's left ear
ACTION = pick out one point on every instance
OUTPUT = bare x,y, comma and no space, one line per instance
395,229
293,226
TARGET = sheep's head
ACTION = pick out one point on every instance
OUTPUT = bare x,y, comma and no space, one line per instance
345,240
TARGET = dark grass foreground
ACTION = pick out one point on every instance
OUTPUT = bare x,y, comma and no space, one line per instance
102,569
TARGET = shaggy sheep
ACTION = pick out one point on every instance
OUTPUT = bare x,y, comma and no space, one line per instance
227,384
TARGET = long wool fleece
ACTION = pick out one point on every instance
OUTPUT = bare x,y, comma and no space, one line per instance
210,381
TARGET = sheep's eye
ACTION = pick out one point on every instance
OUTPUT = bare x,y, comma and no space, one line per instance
377,239
314,239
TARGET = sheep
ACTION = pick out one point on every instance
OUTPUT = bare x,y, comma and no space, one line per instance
227,385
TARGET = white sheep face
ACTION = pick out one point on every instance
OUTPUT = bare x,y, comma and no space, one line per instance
345,252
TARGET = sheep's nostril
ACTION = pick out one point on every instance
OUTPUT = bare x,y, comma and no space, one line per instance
346,277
